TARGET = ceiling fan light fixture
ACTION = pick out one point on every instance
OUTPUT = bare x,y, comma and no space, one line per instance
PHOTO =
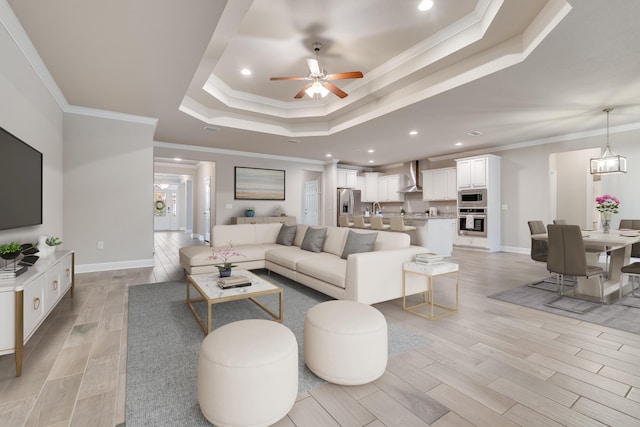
609,162
318,88
425,5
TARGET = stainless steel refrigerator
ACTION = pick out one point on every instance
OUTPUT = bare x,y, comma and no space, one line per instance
349,202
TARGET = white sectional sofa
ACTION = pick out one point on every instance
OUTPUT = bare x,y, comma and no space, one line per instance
367,277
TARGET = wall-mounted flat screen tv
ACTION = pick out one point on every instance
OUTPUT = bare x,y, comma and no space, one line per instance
20,183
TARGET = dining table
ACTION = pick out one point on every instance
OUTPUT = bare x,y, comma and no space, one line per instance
616,248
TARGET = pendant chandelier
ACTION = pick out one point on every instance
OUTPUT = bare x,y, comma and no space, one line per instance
608,162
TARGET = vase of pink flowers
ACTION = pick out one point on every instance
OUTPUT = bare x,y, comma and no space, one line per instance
607,205
225,255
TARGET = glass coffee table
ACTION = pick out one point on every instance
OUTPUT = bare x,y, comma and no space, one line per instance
210,292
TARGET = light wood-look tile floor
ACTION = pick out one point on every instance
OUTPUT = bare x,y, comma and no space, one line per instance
491,364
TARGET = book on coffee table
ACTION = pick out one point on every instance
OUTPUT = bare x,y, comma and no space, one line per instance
233,282
428,258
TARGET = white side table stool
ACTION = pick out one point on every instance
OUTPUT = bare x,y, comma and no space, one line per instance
429,271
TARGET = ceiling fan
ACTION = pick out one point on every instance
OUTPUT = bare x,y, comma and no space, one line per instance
319,80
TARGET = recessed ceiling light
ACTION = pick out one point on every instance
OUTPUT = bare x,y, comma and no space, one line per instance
328,155
413,132
294,141
177,159
458,144
212,128
425,5
371,161
245,72
371,150
475,133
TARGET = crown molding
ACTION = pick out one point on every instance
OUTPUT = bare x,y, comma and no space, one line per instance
105,114
197,148
19,35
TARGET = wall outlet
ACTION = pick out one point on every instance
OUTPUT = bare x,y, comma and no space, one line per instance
100,245
229,206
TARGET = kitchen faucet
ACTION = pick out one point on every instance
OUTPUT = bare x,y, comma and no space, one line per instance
379,210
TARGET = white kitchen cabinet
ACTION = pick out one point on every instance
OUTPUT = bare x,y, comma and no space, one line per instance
475,173
439,184
370,193
388,187
27,300
472,173
347,178
360,185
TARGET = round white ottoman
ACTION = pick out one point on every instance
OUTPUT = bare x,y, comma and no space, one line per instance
248,373
345,342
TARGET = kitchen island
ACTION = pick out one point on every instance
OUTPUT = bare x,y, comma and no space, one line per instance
435,233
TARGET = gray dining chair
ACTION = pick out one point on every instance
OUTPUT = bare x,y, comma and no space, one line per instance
539,251
560,221
567,256
631,272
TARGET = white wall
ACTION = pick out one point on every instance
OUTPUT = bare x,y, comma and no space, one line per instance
28,111
108,191
525,178
224,181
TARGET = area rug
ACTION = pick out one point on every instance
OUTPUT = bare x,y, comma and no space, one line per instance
164,339
613,315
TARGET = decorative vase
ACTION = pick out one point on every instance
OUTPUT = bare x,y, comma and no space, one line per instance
224,272
605,225
250,213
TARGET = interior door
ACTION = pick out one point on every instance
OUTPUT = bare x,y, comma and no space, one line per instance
310,208
207,209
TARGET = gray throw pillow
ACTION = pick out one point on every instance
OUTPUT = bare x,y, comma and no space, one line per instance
286,235
358,243
314,239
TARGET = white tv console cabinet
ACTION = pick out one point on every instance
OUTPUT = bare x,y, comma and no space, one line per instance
28,300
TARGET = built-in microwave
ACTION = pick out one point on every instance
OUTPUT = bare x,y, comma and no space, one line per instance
472,198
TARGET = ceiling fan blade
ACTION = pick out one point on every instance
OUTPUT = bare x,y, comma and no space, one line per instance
314,68
335,89
347,75
288,78
302,93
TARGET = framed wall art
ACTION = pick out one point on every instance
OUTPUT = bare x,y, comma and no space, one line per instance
258,184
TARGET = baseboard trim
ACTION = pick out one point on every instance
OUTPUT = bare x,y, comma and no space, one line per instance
120,265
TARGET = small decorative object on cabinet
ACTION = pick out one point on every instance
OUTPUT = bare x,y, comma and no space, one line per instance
250,212
10,251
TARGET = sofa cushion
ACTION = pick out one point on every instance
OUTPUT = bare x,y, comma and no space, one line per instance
267,233
301,230
358,243
314,239
334,243
288,256
326,267
286,235
387,240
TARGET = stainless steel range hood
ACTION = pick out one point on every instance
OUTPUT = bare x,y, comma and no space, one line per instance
414,176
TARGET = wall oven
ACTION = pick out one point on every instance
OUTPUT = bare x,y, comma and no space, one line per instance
472,198
472,221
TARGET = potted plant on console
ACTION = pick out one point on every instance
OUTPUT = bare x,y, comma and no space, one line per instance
249,212
47,245
224,255
10,251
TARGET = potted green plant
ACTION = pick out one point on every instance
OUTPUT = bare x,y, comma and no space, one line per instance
249,212
10,250
53,241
